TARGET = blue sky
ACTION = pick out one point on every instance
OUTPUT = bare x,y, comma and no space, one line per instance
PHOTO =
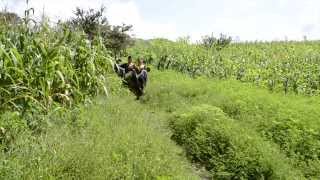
243,19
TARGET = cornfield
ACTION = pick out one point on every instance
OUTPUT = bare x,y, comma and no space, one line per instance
278,66
41,67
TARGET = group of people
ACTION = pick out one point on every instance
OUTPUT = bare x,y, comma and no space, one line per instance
135,75
131,66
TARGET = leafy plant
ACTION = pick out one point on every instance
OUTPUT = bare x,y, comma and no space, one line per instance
226,149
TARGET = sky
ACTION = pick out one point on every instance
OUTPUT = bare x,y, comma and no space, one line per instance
244,20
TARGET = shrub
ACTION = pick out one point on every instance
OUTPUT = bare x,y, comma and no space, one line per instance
226,149
298,142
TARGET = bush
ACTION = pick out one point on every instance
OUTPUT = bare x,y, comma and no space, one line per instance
298,142
226,149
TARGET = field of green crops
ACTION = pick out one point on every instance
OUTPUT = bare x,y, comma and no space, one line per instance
244,111
278,66
45,67
236,131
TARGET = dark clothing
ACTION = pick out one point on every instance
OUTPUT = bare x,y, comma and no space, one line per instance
134,78
125,66
119,70
143,78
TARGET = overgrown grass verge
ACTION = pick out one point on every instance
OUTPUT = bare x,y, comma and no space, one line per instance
106,140
226,148
287,121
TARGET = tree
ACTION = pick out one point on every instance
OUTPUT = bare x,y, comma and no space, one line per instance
209,41
117,39
93,23
223,41
90,21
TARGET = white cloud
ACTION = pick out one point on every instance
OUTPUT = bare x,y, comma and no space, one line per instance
248,19
128,12
55,9
118,12
265,20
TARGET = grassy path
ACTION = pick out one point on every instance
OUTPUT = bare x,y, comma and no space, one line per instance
111,141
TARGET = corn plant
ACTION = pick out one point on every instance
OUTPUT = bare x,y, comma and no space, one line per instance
278,66
42,67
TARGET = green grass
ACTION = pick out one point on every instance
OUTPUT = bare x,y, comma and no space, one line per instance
114,138
287,122
265,135
228,149
54,123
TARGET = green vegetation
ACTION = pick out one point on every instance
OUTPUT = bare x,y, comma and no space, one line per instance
278,66
262,134
230,128
227,148
43,67
212,110
291,124
115,37
99,141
